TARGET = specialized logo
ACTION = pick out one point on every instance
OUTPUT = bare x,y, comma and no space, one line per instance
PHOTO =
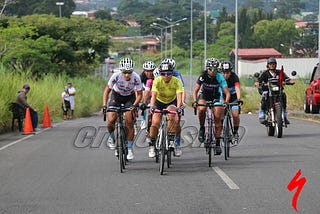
298,183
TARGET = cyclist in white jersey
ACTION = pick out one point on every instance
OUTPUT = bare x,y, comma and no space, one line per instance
125,88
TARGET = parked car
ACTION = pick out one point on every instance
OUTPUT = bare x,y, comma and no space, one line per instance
312,97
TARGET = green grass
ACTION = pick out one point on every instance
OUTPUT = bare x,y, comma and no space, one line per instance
47,91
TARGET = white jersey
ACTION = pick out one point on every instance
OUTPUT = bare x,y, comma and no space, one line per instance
120,85
65,96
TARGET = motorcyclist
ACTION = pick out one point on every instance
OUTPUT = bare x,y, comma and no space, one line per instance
262,80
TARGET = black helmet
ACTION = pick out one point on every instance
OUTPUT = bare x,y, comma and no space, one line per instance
226,66
271,60
165,66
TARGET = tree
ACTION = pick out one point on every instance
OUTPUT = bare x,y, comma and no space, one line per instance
103,14
271,34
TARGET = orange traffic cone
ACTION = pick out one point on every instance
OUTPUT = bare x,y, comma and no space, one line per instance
28,129
46,119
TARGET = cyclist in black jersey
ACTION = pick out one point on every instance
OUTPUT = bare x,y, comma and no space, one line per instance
235,93
209,87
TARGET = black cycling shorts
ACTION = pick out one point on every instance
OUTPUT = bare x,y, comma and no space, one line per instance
160,105
117,99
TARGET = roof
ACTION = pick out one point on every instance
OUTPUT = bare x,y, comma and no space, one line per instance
256,53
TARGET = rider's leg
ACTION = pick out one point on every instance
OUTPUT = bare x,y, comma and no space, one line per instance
236,118
153,133
284,104
263,107
202,118
112,117
218,117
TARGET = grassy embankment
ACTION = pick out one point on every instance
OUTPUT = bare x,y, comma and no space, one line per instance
47,91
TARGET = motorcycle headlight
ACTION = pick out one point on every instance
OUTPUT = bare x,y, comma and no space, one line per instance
275,88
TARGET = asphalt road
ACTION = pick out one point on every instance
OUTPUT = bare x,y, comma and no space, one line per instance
47,173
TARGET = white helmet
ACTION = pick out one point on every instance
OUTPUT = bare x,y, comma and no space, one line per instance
156,72
149,66
126,64
170,61
212,62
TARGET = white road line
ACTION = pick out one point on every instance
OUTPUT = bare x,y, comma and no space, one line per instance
225,178
18,141
15,142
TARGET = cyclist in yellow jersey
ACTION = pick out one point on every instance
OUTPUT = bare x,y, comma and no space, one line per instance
166,94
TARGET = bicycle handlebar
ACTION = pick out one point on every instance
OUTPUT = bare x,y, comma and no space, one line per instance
164,111
118,109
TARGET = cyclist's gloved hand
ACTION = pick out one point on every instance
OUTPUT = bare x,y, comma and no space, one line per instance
194,104
179,110
104,109
133,107
240,102
225,104
152,109
143,106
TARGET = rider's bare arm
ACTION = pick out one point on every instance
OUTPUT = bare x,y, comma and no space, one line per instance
195,91
106,93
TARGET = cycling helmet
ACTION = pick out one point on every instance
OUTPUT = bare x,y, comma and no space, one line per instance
212,62
226,66
165,66
271,60
170,61
149,66
126,64
156,72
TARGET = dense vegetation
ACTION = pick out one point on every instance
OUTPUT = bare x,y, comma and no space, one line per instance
46,51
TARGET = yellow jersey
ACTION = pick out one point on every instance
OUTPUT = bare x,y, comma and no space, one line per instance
167,92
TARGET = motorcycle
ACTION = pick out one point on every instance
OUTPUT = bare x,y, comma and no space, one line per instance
275,120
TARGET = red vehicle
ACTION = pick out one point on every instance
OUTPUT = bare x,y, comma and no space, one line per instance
312,98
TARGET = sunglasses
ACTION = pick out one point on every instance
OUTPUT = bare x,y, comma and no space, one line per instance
212,68
166,73
127,71
272,63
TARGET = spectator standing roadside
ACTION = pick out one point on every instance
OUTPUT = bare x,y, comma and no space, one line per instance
72,93
21,99
65,103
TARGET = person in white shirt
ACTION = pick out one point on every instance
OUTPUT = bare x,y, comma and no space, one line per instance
72,93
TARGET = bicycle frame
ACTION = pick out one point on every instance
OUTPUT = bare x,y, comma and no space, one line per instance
209,133
120,134
228,130
163,146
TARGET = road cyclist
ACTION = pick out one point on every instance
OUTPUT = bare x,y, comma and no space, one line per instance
209,87
125,88
235,95
166,94
144,105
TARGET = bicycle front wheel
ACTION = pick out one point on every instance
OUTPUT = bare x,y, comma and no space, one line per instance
122,149
226,137
162,152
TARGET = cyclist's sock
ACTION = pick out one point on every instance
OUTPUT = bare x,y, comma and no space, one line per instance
236,128
178,140
111,135
130,144
218,141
